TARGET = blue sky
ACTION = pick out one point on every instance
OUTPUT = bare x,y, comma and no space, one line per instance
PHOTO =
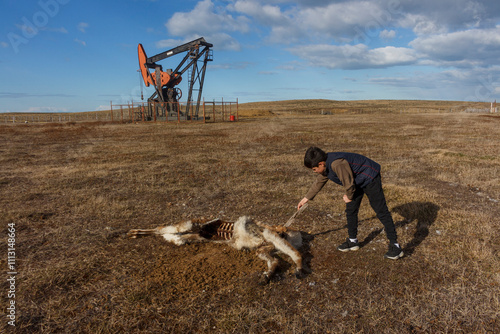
74,55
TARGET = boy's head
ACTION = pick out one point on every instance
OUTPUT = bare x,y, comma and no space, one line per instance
314,156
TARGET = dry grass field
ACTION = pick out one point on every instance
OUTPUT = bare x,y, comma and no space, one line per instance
291,107
72,191
216,113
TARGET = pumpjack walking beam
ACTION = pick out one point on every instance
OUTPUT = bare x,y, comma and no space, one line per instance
197,75
165,82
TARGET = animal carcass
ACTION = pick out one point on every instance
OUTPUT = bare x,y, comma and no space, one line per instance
244,233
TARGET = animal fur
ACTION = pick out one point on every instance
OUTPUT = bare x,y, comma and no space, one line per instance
244,233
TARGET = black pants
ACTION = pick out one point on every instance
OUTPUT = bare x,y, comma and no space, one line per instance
376,197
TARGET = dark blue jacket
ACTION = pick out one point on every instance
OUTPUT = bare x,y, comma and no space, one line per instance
364,170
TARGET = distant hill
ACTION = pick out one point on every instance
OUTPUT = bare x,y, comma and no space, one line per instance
362,106
273,108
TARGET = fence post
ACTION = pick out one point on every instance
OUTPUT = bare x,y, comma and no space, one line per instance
111,103
179,115
204,118
155,111
165,109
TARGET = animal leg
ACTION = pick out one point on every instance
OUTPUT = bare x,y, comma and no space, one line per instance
265,253
285,247
135,233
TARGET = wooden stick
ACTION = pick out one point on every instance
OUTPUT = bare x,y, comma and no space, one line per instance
298,212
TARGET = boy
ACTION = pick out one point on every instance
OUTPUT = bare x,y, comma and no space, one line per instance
359,176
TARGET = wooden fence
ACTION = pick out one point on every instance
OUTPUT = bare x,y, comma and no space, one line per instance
213,111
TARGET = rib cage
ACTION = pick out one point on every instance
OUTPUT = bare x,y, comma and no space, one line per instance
217,230
225,230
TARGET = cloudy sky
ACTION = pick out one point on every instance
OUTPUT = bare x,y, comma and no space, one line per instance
75,55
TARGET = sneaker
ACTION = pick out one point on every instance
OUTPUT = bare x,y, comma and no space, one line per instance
348,245
394,252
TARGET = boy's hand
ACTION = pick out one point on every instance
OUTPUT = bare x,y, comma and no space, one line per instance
347,200
302,202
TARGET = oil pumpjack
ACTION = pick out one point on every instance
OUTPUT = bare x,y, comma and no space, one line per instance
164,101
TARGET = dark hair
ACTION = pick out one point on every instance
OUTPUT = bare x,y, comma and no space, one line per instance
314,155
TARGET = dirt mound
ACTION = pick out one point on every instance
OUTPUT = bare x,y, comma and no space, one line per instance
201,267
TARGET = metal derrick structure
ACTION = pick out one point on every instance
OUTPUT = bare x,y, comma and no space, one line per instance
164,102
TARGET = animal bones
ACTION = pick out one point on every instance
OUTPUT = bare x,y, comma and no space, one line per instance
244,233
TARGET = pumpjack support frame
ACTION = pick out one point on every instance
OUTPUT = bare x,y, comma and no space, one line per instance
165,100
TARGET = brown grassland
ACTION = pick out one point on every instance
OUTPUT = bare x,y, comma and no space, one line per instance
73,190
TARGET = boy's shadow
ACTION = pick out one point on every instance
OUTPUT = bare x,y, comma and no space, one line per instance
424,213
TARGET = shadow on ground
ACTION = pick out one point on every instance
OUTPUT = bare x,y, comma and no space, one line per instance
424,213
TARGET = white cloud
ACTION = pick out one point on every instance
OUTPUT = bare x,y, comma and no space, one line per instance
103,107
82,26
387,34
222,40
291,66
422,25
168,43
431,16
45,109
4,44
463,48
286,34
341,19
448,32
319,20
267,73
230,66
469,85
80,42
30,30
342,34
354,56
346,20
205,21
264,13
